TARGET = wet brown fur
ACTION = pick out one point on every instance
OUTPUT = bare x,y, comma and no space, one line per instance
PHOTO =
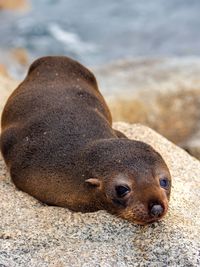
57,133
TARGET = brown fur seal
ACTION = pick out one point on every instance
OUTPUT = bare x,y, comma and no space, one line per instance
59,145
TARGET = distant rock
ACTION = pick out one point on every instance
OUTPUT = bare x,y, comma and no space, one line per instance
16,61
3,71
7,85
192,145
20,55
163,94
34,235
14,4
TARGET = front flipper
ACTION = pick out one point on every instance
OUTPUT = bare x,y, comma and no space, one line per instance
120,134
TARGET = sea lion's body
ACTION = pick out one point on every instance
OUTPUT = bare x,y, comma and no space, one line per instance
58,142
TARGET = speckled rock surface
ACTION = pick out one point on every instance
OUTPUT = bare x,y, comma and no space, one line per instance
32,234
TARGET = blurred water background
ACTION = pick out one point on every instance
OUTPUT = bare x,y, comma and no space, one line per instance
100,31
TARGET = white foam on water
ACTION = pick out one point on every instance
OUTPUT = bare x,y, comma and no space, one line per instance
70,39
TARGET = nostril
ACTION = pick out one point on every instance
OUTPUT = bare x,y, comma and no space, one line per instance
156,210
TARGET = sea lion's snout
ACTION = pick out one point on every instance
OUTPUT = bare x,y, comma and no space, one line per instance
156,210
141,209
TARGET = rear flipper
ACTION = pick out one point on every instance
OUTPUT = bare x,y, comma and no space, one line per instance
120,134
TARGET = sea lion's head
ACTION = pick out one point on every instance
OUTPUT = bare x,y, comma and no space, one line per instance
132,179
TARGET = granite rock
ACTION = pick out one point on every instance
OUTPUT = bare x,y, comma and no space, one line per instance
34,234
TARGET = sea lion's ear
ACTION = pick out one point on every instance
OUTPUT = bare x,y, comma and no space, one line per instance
94,182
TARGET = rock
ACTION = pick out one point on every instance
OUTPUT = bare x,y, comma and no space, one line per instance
16,61
163,94
192,145
20,55
3,71
33,234
14,4
7,85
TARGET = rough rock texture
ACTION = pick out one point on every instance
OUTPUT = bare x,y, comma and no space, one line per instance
161,93
32,234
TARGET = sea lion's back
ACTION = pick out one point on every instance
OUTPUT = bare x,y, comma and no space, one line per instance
51,108
51,81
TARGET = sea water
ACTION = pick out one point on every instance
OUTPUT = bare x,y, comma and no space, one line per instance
99,31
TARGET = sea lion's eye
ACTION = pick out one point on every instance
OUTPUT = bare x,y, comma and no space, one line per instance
164,183
122,190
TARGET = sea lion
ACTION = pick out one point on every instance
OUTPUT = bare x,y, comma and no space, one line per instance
59,145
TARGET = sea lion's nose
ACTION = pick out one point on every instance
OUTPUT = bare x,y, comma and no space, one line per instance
156,210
